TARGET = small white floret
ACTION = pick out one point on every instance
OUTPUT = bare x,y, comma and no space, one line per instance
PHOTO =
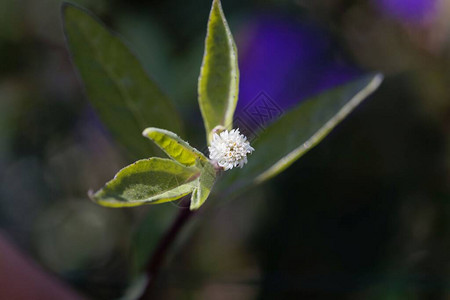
229,149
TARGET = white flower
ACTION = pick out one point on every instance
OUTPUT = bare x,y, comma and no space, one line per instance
230,149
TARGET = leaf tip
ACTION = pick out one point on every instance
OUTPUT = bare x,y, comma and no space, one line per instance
63,9
146,131
149,130
378,78
195,205
217,4
91,195
374,84
66,5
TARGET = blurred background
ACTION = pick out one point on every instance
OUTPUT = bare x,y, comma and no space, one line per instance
364,215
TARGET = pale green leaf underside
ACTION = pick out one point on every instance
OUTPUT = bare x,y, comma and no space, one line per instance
300,129
125,98
203,184
148,181
183,153
174,146
219,75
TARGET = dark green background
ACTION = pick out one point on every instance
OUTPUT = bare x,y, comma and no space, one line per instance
364,215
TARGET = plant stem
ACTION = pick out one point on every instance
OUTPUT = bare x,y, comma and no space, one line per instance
159,255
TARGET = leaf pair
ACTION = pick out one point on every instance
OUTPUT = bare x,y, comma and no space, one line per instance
158,180
183,153
296,132
128,101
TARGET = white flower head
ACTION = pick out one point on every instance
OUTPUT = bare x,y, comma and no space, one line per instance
230,149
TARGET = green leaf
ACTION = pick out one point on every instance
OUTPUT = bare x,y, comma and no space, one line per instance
148,181
300,129
174,146
219,75
203,185
125,98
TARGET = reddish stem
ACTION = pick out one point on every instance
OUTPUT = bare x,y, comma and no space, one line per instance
154,265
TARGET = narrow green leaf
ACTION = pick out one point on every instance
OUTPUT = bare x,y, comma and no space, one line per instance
125,98
300,129
219,75
174,146
203,184
148,181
